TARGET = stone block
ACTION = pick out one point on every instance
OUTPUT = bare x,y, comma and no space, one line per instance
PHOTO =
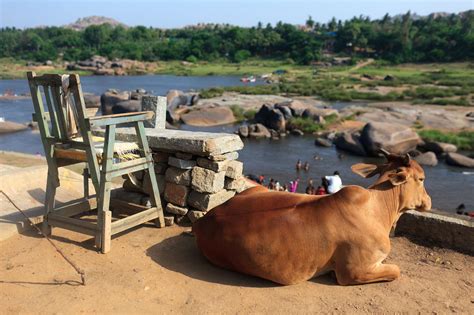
234,169
205,201
195,215
169,140
237,184
227,156
156,104
216,166
182,219
159,156
178,176
174,209
184,156
160,167
169,220
146,184
176,194
204,180
180,163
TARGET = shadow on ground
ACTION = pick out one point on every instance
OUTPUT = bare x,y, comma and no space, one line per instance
180,254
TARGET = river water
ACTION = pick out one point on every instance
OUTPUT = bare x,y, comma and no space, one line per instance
447,185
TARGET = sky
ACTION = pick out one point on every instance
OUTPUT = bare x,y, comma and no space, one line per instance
179,13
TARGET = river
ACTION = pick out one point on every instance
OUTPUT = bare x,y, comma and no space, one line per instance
447,185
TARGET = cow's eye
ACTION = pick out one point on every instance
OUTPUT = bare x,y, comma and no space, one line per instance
421,179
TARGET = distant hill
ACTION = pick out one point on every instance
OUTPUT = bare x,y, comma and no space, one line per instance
84,22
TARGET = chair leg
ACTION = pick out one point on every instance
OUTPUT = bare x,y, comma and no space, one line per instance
155,198
51,185
104,217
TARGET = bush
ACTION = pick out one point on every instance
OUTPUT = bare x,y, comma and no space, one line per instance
307,125
241,55
192,59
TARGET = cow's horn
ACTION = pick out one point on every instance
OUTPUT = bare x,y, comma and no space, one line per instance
406,159
385,152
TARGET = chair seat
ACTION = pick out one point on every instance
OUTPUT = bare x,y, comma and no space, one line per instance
123,151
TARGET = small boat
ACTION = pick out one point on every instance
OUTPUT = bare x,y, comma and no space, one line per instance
265,76
249,79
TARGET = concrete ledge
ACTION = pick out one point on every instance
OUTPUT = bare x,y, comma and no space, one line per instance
443,230
199,143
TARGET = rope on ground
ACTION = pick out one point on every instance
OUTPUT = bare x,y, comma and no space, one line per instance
69,261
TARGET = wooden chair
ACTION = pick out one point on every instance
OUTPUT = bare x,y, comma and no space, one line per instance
67,139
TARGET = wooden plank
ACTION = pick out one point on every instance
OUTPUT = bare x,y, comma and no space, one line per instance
120,172
48,79
76,225
149,114
76,207
128,164
133,220
69,154
62,121
84,128
103,211
98,121
52,113
155,195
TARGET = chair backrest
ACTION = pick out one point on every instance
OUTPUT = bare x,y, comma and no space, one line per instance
65,107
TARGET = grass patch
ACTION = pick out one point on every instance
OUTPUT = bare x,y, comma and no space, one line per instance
464,140
307,125
240,114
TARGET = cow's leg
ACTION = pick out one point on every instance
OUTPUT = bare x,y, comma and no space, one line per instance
375,273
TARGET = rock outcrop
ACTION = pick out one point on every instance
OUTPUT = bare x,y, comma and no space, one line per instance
394,138
209,116
427,158
457,159
350,142
271,117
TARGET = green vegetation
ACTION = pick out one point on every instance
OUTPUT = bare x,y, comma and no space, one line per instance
400,39
240,114
464,140
308,125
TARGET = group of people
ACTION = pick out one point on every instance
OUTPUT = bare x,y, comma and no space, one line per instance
329,185
300,166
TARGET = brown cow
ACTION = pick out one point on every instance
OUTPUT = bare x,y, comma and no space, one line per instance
288,238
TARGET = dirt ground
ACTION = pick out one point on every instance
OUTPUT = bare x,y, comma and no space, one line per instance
153,270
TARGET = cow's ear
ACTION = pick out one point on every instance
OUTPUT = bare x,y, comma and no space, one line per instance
398,178
364,170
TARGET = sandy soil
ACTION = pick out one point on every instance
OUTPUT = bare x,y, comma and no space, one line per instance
157,271
20,159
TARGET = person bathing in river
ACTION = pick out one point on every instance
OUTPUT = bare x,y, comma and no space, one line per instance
320,191
277,186
306,166
298,165
334,183
294,185
310,188
271,184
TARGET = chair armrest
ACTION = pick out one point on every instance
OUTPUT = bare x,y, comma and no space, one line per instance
116,119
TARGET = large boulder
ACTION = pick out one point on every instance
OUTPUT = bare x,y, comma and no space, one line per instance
427,158
316,113
322,142
244,131
209,116
285,110
259,131
270,117
439,147
457,159
175,99
10,126
91,100
127,107
395,138
110,98
297,107
350,142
